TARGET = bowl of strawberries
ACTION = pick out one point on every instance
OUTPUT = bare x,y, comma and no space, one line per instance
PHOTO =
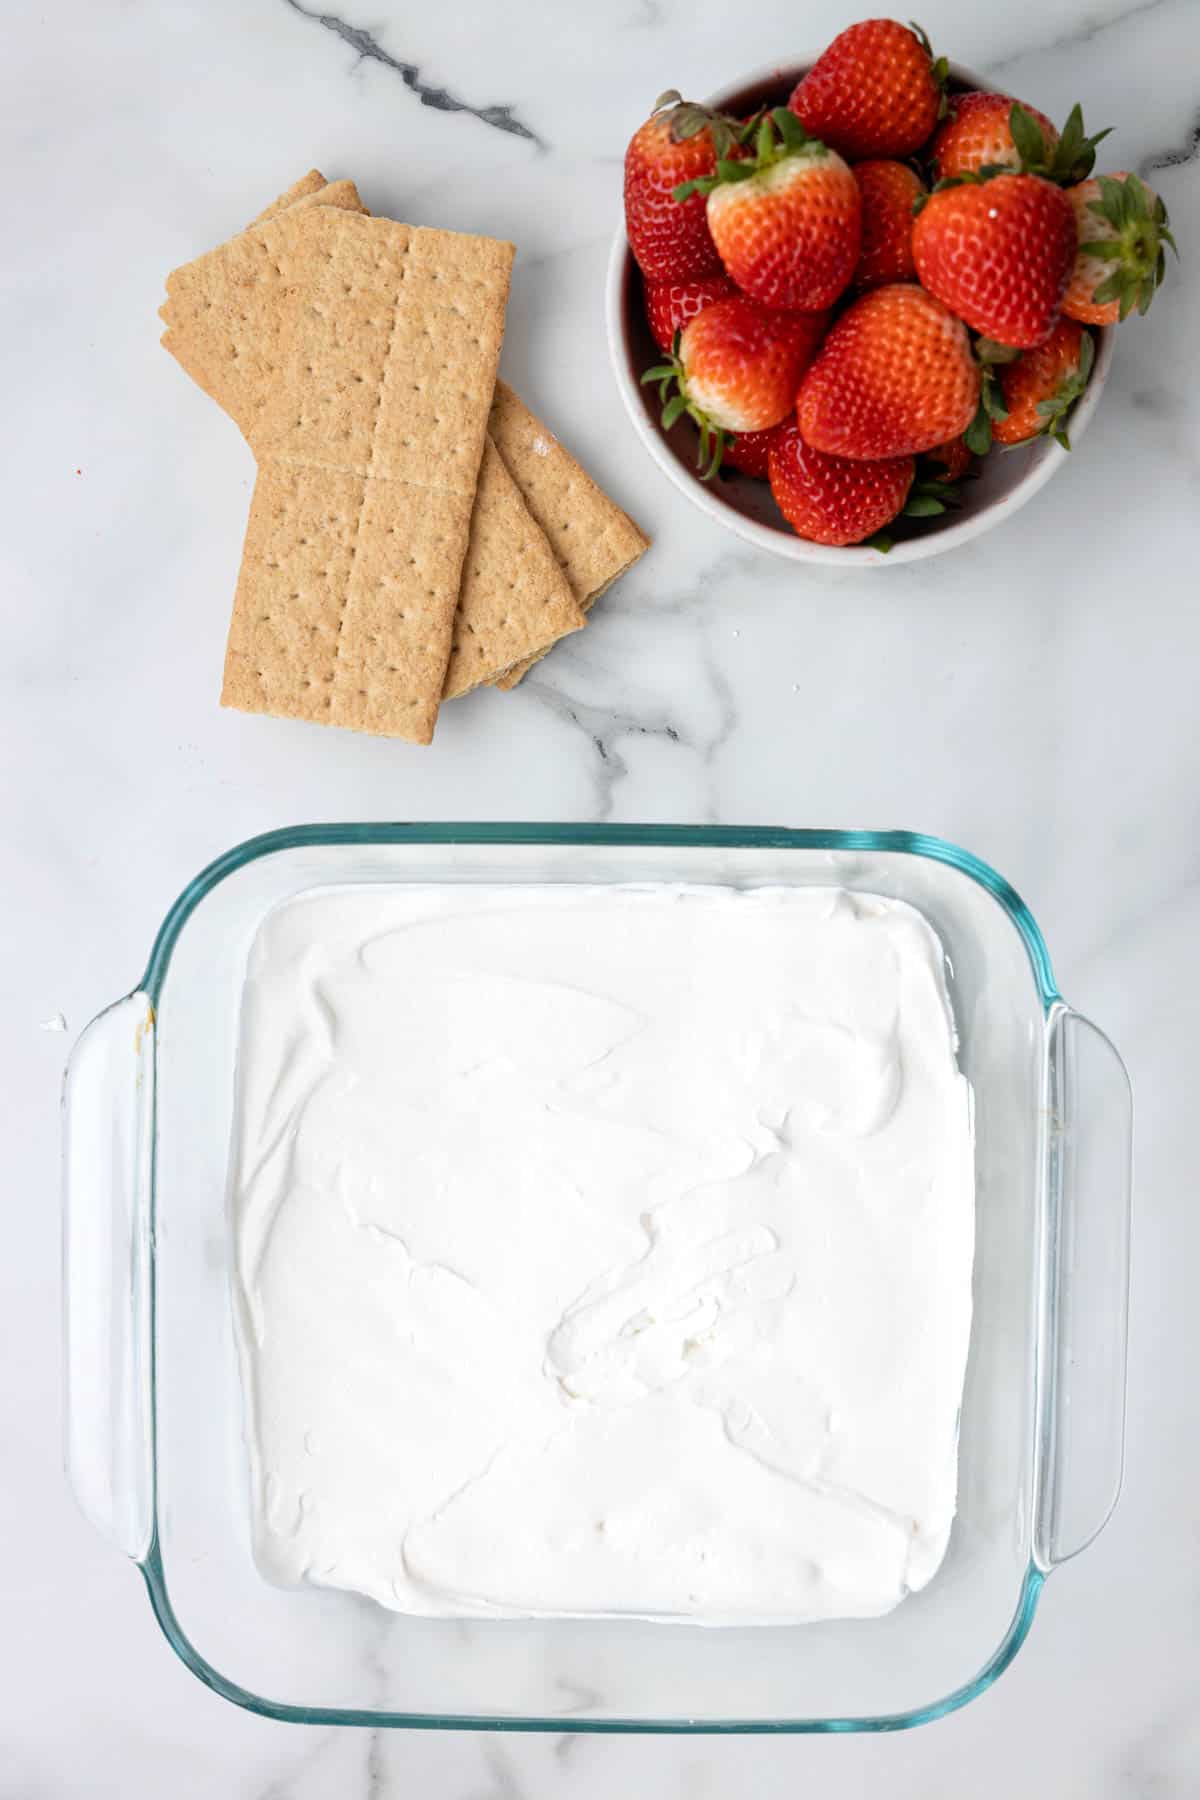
861,308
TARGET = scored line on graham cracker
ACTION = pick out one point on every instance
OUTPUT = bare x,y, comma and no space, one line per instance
355,424
514,597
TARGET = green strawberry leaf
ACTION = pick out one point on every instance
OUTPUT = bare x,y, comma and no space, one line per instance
923,506
988,351
978,435
713,441
1075,153
1110,205
1105,248
1142,209
771,137
673,410
703,184
670,97
1087,356
939,68
1071,137
1027,136
991,398
879,540
941,76
1112,289
934,487
791,132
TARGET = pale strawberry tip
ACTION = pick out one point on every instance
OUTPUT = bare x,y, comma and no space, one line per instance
710,450
775,135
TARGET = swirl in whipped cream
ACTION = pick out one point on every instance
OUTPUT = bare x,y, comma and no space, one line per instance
602,1250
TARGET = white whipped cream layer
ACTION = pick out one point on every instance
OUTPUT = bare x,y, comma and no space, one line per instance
602,1250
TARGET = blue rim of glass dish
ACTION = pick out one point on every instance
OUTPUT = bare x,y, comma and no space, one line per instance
732,837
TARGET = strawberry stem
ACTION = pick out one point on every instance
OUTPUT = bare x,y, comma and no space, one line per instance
688,119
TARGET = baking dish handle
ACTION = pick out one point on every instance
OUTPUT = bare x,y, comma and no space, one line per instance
108,1100
1089,1167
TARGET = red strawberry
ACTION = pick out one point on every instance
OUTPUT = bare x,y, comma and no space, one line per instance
978,134
748,450
1120,262
786,219
670,241
895,376
1040,388
999,254
830,500
876,91
888,190
671,304
953,459
737,369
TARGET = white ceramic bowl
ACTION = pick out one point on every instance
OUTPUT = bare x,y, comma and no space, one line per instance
1009,477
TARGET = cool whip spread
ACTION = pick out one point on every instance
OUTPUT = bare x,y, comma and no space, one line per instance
602,1250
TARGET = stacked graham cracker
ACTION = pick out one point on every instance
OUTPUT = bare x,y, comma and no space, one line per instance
415,531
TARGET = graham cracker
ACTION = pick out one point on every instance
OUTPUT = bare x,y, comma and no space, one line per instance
514,597
513,593
593,540
312,183
229,312
369,443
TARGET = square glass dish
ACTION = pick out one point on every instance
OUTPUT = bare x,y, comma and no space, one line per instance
153,1419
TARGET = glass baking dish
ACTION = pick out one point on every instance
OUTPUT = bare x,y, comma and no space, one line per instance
153,1405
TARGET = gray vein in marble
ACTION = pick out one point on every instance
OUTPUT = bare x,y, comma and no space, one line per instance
506,1786
366,48
1074,40
1175,156
281,1786
580,1697
648,17
605,728
374,1768
726,726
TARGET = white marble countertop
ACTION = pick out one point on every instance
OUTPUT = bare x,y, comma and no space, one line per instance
1032,697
